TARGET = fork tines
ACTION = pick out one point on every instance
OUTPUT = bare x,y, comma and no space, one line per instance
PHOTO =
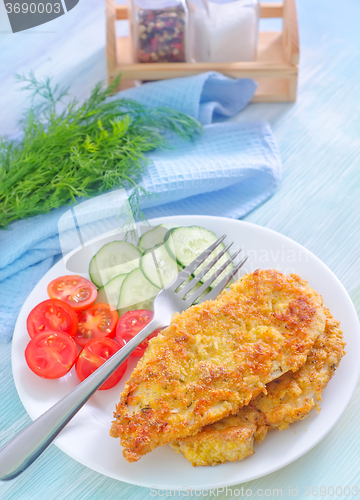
202,273
220,286
225,281
189,270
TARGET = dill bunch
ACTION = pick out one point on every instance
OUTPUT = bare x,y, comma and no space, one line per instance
81,150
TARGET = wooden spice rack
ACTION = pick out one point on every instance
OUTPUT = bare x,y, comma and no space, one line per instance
275,70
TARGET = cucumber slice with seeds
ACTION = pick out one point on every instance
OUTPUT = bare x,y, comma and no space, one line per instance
152,238
113,259
185,243
110,292
136,293
163,271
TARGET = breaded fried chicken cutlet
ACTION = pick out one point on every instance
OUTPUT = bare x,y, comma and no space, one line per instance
289,398
215,357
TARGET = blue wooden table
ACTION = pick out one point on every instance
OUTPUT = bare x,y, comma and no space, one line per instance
318,205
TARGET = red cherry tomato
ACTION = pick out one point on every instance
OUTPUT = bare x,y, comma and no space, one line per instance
130,324
76,291
52,314
96,322
93,355
51,354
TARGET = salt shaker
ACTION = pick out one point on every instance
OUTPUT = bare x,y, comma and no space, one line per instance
223,30
159,30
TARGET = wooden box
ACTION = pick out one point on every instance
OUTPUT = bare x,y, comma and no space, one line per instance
275,70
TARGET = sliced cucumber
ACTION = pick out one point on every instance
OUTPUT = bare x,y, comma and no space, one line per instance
149,250
152,238
136,293
165,269
110,292
185,243
113,259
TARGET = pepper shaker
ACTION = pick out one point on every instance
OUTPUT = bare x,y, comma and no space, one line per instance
159,30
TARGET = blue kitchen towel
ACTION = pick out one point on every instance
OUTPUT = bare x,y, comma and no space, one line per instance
228,171
208,97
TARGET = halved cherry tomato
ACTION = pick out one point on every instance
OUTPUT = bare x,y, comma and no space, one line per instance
96,322
51,354
93,355
130,324
75,290
52,314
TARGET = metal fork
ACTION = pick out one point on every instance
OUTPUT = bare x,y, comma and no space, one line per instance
28,444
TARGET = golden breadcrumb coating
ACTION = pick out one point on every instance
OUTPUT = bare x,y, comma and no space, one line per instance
289,398
229,440
292,396
215,357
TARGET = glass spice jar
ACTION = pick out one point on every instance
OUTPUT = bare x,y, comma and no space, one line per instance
159,30
223,30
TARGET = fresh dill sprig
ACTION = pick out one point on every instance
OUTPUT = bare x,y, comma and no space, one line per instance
80,150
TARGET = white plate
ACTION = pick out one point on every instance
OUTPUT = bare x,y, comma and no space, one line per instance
86,438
